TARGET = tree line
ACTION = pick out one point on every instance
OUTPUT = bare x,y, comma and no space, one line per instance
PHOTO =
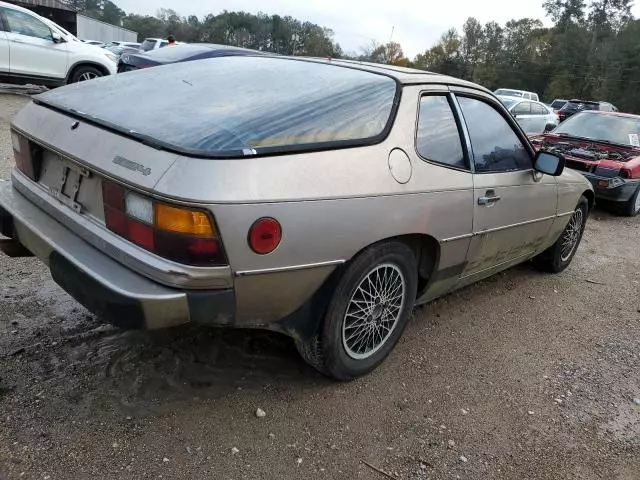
592,51
271,33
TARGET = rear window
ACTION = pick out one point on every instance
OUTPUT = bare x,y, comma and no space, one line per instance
236,106
558,104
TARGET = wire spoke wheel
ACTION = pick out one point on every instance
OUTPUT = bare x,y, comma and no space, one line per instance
373,311
571,235
87,76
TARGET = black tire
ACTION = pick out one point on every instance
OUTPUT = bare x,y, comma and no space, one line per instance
82,73
327,350
631,208
555,259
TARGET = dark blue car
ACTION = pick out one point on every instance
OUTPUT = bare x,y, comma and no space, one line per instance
177,54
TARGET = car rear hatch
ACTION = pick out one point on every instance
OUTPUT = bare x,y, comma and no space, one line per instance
130,130
70,160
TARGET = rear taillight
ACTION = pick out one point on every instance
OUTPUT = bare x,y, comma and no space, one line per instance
27,154
177,233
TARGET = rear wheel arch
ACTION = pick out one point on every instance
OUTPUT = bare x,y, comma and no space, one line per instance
591,198
426,250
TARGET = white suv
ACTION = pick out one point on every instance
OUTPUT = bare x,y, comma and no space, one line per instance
35,50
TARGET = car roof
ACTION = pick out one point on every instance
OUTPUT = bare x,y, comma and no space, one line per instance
403,75
515,90
518,100
590,102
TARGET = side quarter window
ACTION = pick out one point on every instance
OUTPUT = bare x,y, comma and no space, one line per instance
438,137
496,146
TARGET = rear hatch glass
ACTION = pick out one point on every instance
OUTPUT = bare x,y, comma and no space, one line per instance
236,106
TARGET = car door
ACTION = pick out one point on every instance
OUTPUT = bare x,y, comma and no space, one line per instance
514,206
33,51
442,168
4,51
539,118
522,113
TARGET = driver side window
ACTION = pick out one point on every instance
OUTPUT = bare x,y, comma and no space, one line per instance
24,24
495,145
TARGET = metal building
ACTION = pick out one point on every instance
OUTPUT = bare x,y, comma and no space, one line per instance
91,29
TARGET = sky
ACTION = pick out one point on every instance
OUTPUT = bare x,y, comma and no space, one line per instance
416,24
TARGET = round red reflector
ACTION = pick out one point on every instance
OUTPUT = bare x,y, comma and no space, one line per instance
265,235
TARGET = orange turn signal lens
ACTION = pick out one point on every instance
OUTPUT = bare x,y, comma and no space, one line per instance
181,220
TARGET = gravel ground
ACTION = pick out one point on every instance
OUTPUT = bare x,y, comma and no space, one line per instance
523,376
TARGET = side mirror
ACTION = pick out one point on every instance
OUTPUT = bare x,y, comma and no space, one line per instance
548,127
549,163
56,37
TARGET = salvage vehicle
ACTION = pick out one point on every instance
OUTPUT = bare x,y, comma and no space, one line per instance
557,104
576,106
323,199
605,148
190,52
533,117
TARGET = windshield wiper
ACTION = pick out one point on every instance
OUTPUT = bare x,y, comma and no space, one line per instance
587,139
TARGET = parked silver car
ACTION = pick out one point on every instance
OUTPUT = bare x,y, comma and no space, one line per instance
319,198
533,117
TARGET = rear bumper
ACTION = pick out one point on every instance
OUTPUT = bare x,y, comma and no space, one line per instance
614,189
101,284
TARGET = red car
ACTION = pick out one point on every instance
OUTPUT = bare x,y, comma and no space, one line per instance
605,148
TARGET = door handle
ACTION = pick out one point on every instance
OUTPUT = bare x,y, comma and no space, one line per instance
489,198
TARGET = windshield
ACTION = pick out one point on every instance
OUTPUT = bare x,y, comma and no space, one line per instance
610,128
508,93
147,45
242,105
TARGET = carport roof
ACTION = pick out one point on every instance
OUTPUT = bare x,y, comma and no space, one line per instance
57,4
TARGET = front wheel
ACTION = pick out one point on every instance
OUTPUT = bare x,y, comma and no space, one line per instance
558,257
631,208
367,314
82,74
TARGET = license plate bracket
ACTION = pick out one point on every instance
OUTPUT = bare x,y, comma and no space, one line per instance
67,185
